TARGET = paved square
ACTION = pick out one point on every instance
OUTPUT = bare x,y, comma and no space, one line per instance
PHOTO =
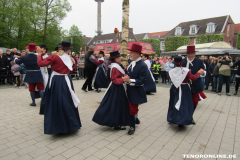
21,130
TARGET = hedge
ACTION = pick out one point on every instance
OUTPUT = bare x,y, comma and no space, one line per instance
173,43
155,44
238,41
209,38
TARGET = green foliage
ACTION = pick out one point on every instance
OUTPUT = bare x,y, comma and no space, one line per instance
37,21
155,44
172,43
77,40
209,38
238,41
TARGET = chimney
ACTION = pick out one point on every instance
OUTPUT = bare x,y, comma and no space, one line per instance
99,31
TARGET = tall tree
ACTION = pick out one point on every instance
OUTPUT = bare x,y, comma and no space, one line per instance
54,11
125,28
76,36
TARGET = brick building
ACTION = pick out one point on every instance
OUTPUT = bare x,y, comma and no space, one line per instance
219,25
236,31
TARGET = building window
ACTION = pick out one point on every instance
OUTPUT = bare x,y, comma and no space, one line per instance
179,31
162,45
228,28
211,27
193,30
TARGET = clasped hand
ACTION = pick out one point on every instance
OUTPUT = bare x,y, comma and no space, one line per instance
126,79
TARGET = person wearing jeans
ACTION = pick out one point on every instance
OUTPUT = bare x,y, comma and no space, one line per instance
237,76
224,65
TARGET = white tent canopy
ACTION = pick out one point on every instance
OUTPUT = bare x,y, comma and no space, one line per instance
214,46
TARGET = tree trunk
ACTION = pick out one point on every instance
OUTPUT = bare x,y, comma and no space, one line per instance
125,30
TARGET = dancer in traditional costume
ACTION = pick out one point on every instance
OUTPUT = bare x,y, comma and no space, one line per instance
61,103
114,108
150,85
195,64
136,79
44,70
181,107
33,77
100,79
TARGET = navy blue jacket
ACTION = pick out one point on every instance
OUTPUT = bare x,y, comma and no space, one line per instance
137,94
10,58
196,86
34,74
211,68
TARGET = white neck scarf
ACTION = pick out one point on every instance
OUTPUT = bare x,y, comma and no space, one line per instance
178,75
189,62
115,65
67,61
133,63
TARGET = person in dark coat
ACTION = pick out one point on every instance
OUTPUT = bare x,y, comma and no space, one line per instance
3,66
181,107
195,64
33,77
210,72
9,74
114,108
61,103
90,69
237,76
136,78
100,79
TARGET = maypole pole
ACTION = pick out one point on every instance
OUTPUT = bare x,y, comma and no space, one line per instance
125,30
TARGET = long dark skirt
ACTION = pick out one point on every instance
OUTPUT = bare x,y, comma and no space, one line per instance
101,80
149,85
185,113
114,108
60,114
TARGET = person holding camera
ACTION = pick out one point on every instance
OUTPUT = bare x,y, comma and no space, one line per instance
225,64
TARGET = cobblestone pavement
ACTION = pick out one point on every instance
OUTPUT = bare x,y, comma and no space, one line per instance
21,130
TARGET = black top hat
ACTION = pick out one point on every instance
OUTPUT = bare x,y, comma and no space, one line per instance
177,59
59,45
66,45
114,54
43,46
101,52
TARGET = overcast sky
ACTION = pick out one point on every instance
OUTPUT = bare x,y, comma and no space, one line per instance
146,16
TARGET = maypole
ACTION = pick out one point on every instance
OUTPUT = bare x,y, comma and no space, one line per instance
125,29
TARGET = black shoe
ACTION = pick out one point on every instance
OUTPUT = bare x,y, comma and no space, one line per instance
180,126
32,104
206,89
84,90
98,91
193,122
131,131
120,128
90,89
137,121
148,93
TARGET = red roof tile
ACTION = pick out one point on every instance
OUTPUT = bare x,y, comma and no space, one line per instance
157,34
237,28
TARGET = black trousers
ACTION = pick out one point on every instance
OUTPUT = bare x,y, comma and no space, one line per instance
237,84
164,76
88,82
18,80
